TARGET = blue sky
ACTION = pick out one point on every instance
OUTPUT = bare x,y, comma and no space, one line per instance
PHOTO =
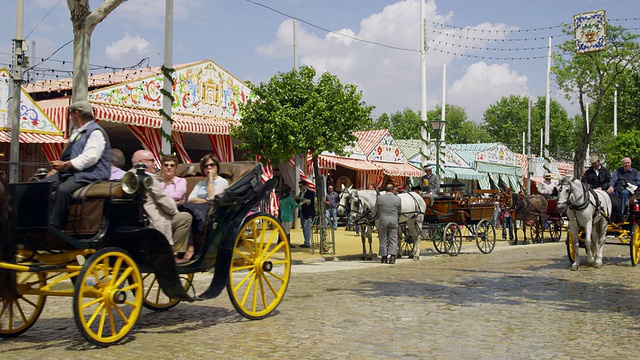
491,48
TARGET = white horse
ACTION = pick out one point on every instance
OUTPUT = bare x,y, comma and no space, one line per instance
363,202
587,208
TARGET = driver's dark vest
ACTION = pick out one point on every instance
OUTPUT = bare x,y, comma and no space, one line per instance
102,169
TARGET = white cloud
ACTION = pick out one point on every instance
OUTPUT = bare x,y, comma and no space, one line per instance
388,72
483,85
128,47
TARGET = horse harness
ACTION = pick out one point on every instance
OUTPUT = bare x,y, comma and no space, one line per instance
586,201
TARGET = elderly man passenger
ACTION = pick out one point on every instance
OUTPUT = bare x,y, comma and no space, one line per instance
162,209
430,182
620,179
85,159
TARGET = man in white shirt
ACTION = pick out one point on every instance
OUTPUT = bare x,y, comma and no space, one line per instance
85,159
546,187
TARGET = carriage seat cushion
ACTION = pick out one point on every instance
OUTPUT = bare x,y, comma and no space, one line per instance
99,190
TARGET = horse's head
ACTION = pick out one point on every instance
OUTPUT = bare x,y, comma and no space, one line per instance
344,197
564,191
505,198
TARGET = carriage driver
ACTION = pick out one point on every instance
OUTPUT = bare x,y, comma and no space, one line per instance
597,176
429,183
621,178
85,159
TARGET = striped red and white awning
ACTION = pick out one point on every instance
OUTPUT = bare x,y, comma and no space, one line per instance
330,162
32,138
398,169
146,117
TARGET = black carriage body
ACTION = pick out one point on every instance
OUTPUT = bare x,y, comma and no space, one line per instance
123,224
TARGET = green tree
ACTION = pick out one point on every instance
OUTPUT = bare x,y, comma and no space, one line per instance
590,77
458,128
624,145
292,114
84,21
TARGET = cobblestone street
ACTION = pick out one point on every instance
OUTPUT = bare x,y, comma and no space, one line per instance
519,302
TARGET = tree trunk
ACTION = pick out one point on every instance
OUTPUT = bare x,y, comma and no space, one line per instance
81,49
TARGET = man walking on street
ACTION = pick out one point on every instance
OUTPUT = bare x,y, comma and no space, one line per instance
388,208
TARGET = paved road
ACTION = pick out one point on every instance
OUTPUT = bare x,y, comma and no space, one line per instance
520,302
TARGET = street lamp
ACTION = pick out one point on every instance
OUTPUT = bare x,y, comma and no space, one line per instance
437,124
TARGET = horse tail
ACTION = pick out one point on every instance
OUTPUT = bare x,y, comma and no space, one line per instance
8,245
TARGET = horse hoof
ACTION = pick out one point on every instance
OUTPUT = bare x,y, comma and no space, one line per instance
574,267
416,257
598,264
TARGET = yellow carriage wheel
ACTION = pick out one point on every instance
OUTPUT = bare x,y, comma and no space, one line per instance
634,247
154,297
571,250
108,296
261,266
19,314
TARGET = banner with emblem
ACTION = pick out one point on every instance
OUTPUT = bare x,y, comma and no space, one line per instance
590,31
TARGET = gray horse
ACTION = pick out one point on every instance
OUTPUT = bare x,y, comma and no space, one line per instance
363,204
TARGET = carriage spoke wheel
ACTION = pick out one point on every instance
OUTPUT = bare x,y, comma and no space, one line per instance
634,247
436,235
555,229
261,266
154,297
407,243
485,236
108,296
536,231
571,251
19,314
452,239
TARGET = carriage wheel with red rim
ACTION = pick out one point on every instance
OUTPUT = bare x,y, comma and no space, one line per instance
555,229
634,246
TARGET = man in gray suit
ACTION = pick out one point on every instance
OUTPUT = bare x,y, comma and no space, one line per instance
388,208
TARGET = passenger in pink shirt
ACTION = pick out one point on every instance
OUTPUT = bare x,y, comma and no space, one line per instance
174,186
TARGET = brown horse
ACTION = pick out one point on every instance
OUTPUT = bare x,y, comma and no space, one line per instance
525,208
8,246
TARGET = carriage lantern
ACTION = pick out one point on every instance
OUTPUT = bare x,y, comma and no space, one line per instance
437,124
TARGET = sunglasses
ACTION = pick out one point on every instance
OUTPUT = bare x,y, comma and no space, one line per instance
210,165
169,165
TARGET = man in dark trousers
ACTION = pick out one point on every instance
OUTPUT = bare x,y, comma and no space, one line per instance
85,159
307,212
596,176
388,208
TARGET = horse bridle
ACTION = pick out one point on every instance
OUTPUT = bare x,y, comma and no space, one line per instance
585,198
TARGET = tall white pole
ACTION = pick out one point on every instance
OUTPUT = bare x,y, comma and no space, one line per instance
18,61
587,125
426,135
523,143
547,104
615,111
529,150
541,141
295,47
443,112
167,85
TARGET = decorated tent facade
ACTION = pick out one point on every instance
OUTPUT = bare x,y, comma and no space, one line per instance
206,104
502,166
37,130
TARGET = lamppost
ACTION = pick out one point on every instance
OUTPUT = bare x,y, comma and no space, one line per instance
437,124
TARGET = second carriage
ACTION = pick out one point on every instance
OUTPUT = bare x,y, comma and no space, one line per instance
452,217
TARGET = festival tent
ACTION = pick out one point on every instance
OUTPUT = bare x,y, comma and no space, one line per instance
206,105
502,166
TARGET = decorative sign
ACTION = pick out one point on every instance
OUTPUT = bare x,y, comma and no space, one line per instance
32,119
204,89
590,31
386,150
498,154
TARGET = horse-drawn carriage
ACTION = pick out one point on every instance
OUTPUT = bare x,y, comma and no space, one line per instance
450,217
576,197
112,264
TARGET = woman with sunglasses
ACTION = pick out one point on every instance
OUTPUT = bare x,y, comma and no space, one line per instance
174,186
205,190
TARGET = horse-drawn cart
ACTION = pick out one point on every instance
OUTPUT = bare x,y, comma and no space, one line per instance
451,217
117,265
